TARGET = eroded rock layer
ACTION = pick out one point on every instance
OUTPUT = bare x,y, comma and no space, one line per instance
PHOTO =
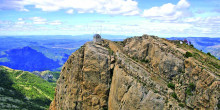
146,73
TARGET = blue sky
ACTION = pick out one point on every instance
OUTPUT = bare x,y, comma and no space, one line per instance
164,18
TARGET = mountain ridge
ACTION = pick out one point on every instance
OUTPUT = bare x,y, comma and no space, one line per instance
204,44
145,72
28,59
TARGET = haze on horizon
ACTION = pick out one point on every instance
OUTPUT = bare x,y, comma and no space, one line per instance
164,18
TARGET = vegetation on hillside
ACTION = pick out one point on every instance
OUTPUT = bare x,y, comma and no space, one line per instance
24,90
207,60
171,85
188,54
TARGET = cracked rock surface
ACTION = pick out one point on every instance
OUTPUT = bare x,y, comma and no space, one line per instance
134,75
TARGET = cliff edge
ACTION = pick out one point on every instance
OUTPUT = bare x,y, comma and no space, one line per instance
146,73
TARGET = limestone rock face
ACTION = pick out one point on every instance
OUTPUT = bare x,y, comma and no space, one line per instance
85,80
134,75
161,55
128,94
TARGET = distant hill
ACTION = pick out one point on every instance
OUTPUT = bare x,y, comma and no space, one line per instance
46,52
24,90
28,59
47,75
55,50
205,44
62,42
56,54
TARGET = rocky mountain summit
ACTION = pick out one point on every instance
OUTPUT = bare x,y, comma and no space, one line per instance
139,73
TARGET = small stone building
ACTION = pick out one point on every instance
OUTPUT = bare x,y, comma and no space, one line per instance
97,38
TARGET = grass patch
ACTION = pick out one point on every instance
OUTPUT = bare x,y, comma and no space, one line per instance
135,58
188,54
145,61
218,105
111,52
181,105
191,87
174,96
171,85
209,54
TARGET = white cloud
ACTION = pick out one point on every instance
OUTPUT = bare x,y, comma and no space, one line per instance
24,9
20,19
38,20
182,4
208,25
20,23
70,11
56,22
206,20
123,7
168,12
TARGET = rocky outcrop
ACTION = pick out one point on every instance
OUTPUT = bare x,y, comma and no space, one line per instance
160,55
127,93
146,73
85,80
